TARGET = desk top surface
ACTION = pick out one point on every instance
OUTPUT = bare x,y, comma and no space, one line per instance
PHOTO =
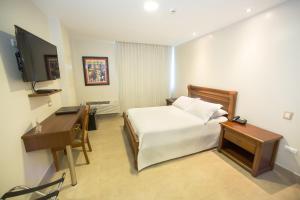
56,124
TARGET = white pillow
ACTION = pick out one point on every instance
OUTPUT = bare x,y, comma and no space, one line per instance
183,102
219,113
203,109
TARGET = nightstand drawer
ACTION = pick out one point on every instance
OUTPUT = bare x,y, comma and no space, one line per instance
242,141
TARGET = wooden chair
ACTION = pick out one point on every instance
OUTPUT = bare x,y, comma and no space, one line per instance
81,138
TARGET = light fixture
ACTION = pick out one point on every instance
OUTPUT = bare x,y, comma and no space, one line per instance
151,6
194,34
248,10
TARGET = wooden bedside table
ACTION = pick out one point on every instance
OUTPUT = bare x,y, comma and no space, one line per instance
170,101
251,147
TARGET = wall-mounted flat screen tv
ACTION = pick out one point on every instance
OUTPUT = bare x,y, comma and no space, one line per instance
37,58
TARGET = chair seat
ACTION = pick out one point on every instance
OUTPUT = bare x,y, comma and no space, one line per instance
77,139
78,134
76,142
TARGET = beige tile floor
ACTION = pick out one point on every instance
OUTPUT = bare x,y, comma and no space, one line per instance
208,175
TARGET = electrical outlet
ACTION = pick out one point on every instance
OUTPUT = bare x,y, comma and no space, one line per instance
288,115
291,149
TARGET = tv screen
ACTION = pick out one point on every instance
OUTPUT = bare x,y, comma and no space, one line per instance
37,58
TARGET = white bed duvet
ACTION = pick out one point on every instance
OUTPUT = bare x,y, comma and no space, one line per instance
167,132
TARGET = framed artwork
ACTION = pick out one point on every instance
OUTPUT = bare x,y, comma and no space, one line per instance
95,70
51,62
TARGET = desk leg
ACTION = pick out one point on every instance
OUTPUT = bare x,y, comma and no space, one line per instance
71,165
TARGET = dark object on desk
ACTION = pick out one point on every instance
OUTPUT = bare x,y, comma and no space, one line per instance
251,147
92,120
24,190
67,110
97,102
239,120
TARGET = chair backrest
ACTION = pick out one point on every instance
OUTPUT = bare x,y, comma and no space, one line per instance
85,124
87,107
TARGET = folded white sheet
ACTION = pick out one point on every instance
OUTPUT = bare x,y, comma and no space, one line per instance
151,120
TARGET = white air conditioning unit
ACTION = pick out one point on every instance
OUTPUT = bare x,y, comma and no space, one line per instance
105,107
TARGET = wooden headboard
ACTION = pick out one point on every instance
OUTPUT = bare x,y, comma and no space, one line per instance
226,98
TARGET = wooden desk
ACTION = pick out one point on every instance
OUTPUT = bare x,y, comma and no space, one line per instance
57,131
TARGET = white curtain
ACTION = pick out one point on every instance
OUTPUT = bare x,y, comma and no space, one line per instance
144,72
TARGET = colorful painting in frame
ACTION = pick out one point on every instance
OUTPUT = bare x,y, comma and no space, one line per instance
95,70
51,62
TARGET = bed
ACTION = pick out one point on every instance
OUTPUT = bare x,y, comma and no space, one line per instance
157,134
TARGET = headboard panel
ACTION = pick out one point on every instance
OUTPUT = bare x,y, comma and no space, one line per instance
223,97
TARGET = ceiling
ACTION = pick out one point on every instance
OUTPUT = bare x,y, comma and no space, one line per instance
126,20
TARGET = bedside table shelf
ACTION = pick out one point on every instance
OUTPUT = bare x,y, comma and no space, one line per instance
238,154
251,147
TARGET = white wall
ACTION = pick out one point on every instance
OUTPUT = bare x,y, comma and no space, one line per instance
60,37
259,58
91,47
18,111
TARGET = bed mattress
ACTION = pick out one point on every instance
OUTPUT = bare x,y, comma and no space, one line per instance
167,132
